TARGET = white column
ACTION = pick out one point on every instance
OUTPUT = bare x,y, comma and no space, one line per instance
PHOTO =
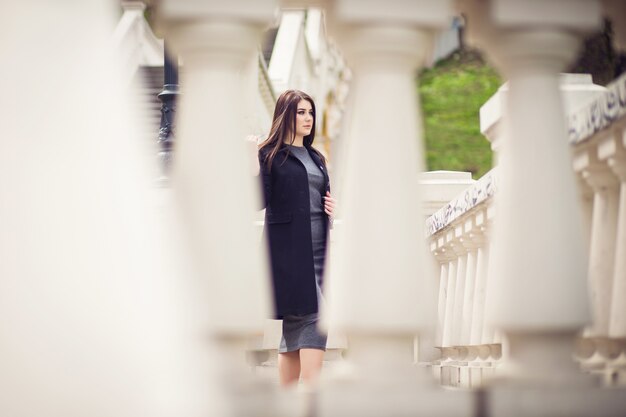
482,260
441,305
450,298
92,300
215,194
468,302
488,331
459,294
585,194
532,43
210,159
380,292
387,261
618,303
602,248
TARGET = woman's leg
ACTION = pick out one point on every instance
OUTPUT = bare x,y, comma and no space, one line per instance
310,364
288,368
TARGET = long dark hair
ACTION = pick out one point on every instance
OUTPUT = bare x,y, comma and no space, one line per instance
284,126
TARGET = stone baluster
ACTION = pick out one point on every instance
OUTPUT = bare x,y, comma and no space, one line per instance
459,292
383,56
444,258
472,244
616,160
478,309
386,260
602,249
467,352
448,351
531,42
446,340
216,41
586,203
488,329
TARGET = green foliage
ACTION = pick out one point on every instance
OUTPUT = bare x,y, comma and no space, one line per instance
451,94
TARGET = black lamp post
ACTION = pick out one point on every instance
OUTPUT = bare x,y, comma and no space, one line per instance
168,108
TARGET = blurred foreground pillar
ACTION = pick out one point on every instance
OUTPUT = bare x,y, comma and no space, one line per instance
539,296
381,289
91,311
544,265
214,190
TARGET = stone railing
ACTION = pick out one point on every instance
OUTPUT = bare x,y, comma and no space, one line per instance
459,235
459,240
598,136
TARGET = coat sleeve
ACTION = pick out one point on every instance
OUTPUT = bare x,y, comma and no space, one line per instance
266,181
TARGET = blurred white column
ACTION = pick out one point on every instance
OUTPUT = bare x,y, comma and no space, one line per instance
93,293
539,298
617,324
602,249
215,193
381,251
617,163
210,161
381,285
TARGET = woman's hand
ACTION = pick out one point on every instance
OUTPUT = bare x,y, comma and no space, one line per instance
329,204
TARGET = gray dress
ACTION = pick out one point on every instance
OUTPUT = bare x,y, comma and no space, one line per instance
301,332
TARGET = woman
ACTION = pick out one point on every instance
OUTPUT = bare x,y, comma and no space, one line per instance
299,209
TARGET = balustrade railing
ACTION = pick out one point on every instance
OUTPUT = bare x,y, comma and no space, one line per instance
598,136
460,240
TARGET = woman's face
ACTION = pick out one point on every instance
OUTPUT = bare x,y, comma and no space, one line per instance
304,118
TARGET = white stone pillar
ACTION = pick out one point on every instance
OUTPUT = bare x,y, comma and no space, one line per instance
441,305
449,307
386,262
488,330
602,248
532,42
617,325
617,329
215,42
214,191
93,299
380,292
482,260
459,293
468,302
586,201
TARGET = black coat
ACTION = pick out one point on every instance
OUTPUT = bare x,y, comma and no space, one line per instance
288,231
